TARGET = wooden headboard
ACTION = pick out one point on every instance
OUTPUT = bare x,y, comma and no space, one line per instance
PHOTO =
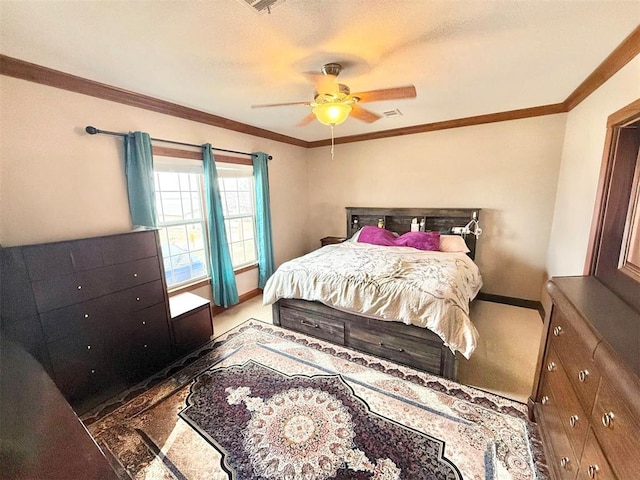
399,220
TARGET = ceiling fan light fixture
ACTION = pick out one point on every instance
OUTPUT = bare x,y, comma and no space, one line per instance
332,113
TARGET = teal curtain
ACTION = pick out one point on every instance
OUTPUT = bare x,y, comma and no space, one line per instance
138,167
223,280
263,218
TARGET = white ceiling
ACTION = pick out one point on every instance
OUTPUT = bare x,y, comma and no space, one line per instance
465,57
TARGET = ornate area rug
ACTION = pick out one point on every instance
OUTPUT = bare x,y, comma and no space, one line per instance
261,402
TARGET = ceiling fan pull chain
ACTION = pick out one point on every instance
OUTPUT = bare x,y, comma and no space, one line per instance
331,141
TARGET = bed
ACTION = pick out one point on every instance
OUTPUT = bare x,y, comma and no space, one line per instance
393,301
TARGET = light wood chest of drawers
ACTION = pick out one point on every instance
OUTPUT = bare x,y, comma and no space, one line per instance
586,398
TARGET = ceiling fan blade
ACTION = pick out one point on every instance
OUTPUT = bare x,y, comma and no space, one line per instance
386,94
306,120
279,104
364,115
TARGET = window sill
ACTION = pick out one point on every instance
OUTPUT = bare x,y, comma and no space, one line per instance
206,281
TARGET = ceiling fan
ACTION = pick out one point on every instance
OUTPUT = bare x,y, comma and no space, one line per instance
333,101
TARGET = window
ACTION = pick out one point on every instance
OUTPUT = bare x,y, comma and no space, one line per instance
182,218
238,205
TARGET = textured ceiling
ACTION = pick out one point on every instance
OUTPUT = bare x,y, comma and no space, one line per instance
465,58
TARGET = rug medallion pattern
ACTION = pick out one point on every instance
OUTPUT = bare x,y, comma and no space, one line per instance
266,403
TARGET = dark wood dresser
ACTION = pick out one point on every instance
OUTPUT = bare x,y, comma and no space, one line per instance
93,312
586,396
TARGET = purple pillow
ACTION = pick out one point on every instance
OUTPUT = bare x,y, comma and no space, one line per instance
420,240
376,236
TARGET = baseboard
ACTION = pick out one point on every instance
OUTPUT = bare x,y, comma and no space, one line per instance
242,298
516,302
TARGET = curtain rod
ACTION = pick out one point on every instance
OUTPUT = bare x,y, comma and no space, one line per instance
93,131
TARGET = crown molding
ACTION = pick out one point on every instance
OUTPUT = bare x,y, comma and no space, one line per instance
447,124
623,54
13,67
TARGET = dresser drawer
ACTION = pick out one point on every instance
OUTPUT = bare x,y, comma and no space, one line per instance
594,465
331,330
562,459
63,322
571,414
137,298
82,350
128,247
402,349
127,275
84,380
56,259
617,430
575,350
57,292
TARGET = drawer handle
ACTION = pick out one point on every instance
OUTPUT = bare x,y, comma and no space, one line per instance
88,347
557,331
573,420
93,370
86,315
79,287
592,470
607,419
137,299
391,348
564,463
582,375
307,324
135,274
551,366
144,323
544,400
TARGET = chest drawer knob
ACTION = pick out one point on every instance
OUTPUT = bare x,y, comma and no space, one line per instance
86,315
144,323
137,299
582,375
544,400
135,275
573,420
79,287
607,419
557,331
551,366
593,470
88,347
93,370
564,463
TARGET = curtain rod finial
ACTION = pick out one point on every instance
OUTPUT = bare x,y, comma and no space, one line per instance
91,130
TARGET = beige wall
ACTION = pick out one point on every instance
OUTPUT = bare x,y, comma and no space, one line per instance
580,169
58,183
509,169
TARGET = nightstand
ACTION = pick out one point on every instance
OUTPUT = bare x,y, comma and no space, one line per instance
191,320
331,240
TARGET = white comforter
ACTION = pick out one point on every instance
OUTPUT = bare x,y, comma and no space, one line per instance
427,289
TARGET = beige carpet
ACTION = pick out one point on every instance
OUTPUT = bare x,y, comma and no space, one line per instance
504,361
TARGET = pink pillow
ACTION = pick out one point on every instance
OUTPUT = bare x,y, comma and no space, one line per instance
419,240
453,243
